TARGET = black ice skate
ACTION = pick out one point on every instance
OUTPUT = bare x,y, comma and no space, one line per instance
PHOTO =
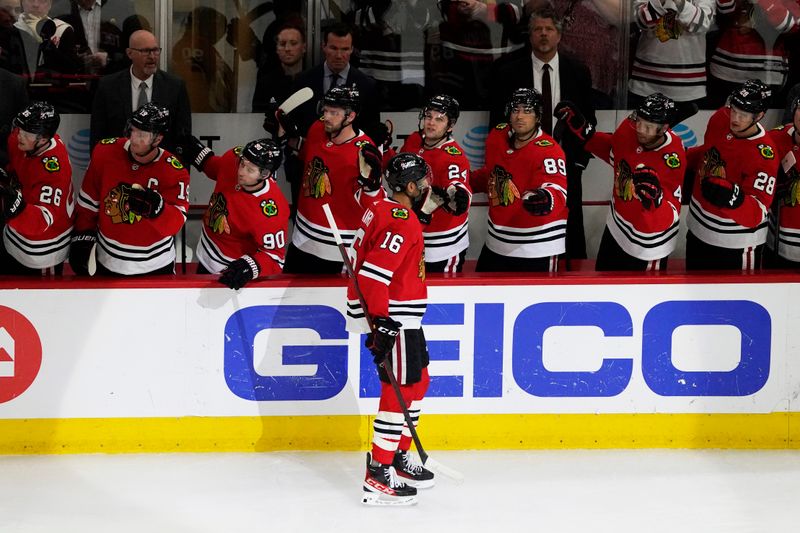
383,487
410,470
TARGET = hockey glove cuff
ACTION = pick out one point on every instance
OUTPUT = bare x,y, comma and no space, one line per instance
381,341
80,248
195,152
721,192
239,272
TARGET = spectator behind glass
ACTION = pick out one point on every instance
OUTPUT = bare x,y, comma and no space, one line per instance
49,44
14,100
273,83
98,39
752,45
12,51
195,59
671,54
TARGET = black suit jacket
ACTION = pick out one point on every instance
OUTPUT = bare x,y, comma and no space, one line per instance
109,41
14,100
313,77
111,108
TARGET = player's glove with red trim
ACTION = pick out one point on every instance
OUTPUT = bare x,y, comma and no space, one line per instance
647,187
538,202
145,202
382,339
239,272
370,161
456,200
721,192
574,119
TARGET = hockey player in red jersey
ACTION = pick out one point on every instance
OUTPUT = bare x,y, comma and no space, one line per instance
446,235
784,237
388,263
526,181
342,168
649,162
247,220
37,207
736,172
132,202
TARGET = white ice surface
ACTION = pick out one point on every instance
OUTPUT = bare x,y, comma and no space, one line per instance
528,491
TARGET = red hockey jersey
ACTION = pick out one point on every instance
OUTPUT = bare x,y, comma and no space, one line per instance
330,176
645,234
507,176
787,204
389,262
127,243
753,165
39,236
239,223
446,235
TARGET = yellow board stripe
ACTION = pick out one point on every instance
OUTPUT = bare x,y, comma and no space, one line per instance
443,432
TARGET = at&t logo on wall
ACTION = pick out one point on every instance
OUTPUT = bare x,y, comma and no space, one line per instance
20,354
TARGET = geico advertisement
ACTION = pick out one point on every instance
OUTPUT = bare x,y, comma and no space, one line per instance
494,349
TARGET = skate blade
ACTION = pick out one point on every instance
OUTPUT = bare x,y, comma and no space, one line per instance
377,498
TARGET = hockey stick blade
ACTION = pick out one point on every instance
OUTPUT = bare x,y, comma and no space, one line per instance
297,99
688,112
436,466
91,264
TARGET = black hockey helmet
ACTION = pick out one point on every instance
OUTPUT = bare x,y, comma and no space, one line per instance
795,105
404,168
751,96
263,153
656,108
151,117
39,118
526,97
348,98
444,104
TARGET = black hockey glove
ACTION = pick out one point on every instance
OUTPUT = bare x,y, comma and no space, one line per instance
270,124
290,127
382,339
239,272
456,200
195,152
382,134
647,188
145,202
424,207
80,248
370,161
538,202
12,202
721,192
575,121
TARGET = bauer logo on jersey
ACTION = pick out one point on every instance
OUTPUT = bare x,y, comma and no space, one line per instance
269,207
672,160
452,150
624,181
766,151
544,143
216,216
51,164
109,140
316,182
177,165
502,190
400,212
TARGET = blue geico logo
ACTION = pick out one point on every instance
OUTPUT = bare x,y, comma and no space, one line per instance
527,368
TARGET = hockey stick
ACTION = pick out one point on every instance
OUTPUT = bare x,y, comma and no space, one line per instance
296,99
387,364
688,112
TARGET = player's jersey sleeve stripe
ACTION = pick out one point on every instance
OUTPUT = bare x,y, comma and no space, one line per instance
87,202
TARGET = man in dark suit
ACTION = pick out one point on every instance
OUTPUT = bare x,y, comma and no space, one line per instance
119,94
98,40
337,46
569,79
14,100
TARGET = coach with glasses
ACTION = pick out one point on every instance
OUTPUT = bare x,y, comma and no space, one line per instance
119,94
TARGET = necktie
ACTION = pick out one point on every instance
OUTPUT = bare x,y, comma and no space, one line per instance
334,80
547,97
142,95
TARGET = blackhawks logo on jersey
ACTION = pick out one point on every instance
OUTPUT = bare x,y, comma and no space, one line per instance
452,150
216,216
421,269
501,126
361,143
177,165
766,151
400,212
116,206
713,165
316,182
238,150
792,195
544,143
502,190
51,164
623,182
269,207
672,160
667,27
108,140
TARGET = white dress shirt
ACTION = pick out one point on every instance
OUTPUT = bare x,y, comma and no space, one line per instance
135,82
